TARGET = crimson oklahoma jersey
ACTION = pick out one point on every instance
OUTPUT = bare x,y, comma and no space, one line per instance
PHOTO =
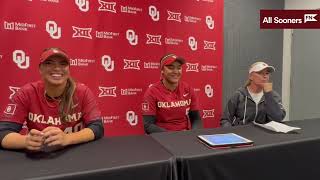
31,105
171,108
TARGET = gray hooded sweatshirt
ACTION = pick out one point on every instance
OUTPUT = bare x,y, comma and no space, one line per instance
241,109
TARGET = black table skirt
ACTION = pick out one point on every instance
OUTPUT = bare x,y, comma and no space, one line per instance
125,158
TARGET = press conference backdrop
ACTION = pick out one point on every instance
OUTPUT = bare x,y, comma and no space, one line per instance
115,47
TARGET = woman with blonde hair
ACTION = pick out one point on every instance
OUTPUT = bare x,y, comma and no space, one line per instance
256,101
58,111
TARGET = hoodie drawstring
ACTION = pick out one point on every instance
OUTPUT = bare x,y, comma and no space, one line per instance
245,110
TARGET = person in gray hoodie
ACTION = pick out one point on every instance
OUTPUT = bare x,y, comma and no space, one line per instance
256,101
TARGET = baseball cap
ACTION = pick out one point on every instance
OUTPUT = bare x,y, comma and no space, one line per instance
53,52
170,58
259,66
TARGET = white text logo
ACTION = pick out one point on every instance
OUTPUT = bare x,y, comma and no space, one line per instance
8,26
132,37
13,90
151,65
145,106
20,58
192,67
132,118
130,91
81,32
208,90
209,22
173,16
18,26
53,29
10,109
154,13
107,6
107,91
131,64
81,62
83,5
209,45
153,39
310,18
208,113
107,63
193,43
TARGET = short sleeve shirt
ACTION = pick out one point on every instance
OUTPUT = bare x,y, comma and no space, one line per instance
31,105
171,108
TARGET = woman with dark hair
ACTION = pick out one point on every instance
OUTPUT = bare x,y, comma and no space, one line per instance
170,105
58,111
256,101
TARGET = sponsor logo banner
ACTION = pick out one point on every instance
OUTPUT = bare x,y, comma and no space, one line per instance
18,26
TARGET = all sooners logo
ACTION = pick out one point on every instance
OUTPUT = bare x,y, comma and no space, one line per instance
20,58
174,16
208,90
209,22
81,32
154,13
107,63
10,109
153,39
13,90
132,37
209,45
107,91
131,64
193,43
132,118
53,29
83,5
107,6
208,113
192,67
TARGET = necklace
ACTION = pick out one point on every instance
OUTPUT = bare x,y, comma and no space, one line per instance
55,101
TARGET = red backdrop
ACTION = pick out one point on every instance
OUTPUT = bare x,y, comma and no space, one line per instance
115,47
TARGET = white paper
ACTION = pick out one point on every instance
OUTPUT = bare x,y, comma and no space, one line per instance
277,127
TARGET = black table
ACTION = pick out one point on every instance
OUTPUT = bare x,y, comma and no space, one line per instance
274,155
136,157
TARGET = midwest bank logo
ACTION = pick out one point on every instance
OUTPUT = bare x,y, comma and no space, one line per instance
18,26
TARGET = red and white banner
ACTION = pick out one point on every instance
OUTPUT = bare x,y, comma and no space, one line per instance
115,48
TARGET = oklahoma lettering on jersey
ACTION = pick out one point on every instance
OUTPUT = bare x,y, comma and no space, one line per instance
171,108
30,105
56,121
174,104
